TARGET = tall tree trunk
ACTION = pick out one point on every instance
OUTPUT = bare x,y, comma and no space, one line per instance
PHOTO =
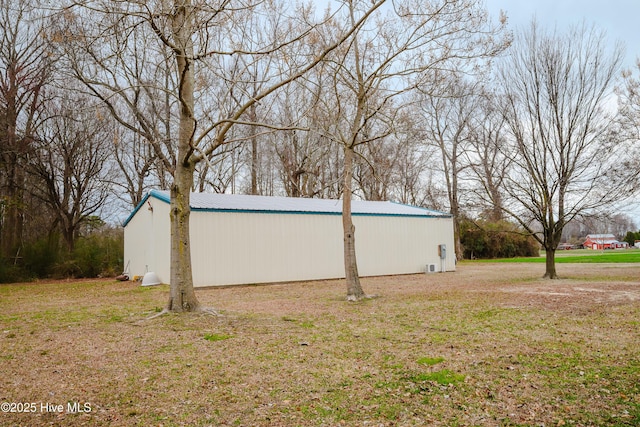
13,221
13,199
455,211
182,295
254,162
550,271
68,233
354,289
457,242
552,235
253,117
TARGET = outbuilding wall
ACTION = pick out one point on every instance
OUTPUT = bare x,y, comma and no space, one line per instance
402,245
247,247
234,248
147,240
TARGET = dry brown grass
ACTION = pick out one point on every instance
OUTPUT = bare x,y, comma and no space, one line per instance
488,345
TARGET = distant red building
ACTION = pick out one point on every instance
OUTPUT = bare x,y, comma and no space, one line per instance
603,241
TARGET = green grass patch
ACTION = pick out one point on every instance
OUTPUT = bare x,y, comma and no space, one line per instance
217,337
442,377
430,361
581,256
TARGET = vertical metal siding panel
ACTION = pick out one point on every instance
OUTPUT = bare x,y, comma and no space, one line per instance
135,243
401,245
387,245
198,230
373,247
284,247
212,234
446,226
234,248
260,235
147,241
320,252
161,263
440,231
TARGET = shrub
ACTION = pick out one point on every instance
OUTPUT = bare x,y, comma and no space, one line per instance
631,237
98,255
10,272
41,255
486,239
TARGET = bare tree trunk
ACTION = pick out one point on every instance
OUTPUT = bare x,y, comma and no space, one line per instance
550,270
13,221
254,162
254,150
68,234
497,213
354,289
456,233
182,295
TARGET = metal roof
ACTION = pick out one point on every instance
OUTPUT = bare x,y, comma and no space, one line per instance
270,204
601,238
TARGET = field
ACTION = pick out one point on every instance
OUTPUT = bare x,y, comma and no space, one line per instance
492,344
582,256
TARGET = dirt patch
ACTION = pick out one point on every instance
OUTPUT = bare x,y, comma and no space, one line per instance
580,284
491,345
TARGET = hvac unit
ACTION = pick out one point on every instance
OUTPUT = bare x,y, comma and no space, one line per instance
431,268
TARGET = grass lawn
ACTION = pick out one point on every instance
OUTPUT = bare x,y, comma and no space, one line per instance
492,344
582,256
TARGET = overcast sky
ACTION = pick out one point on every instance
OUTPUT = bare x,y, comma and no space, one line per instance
619,18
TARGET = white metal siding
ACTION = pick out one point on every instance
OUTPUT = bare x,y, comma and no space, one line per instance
236,248
137,244
161,240
243,247
233,248
146,241
401,245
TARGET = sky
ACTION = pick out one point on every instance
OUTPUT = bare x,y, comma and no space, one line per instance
620,19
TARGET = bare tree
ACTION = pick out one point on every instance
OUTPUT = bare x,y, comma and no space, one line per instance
565,162
305,159
629,104
448,116
197,36
375,166
135,82
487,157
137,163
384,61
71,162
25,63
413,175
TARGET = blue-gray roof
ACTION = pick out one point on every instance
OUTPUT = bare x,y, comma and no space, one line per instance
269,204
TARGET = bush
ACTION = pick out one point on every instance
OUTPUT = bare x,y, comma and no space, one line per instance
631,237
40,256
485,239
97,255
10,273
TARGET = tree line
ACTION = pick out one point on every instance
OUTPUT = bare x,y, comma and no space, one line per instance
431,104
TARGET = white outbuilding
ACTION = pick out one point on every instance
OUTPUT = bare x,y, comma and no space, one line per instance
241,239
